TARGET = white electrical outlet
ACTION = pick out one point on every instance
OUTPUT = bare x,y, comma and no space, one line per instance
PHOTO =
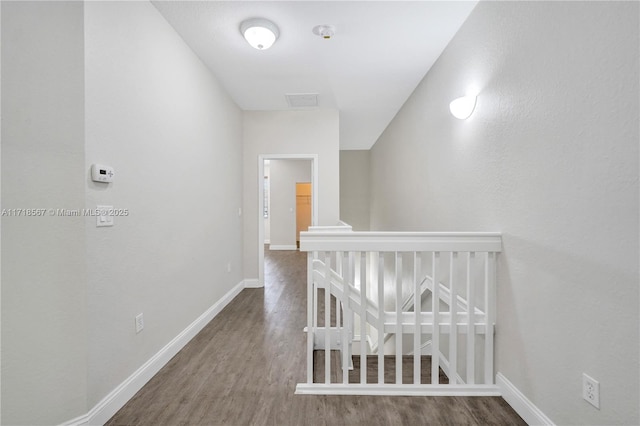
228,266
139,323
591,390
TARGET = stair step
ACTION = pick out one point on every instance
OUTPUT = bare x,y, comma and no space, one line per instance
372,369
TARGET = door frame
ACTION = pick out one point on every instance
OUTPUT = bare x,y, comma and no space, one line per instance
314,199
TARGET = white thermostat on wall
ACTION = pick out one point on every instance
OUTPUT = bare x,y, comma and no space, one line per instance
102,173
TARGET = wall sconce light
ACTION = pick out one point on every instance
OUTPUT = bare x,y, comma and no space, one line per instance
463,107
259,33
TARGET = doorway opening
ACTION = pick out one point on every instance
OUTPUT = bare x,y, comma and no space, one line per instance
283,234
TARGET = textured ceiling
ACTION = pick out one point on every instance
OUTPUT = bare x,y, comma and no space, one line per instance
379,54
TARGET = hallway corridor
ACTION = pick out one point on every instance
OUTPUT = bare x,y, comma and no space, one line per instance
242,368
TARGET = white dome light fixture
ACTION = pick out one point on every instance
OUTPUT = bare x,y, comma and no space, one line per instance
463,107
259,33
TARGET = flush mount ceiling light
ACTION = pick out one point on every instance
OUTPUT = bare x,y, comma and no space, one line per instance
463,107
259,33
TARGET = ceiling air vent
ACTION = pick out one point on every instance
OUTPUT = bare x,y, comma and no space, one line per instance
302,100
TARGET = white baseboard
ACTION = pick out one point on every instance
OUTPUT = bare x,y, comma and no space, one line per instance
283,247
252,283
118,397
520,403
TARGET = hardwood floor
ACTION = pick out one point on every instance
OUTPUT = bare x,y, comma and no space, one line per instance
242,368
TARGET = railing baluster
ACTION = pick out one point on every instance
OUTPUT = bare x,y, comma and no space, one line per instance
352,280
424,256
346,338
490,298
311,329
435,337
453,334
471,320
339,325
363,317
417,309
316,293
338,310
398,281
380,317
327,317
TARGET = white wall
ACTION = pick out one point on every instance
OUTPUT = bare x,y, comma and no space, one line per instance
0,220
107,82
157,115
44,332
288,132
550,158
284,176
355,188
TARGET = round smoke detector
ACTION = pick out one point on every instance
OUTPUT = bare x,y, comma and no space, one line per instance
324,31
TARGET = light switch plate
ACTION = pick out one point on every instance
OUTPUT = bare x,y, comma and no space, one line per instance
104,216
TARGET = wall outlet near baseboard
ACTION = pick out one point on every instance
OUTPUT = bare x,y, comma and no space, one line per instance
591,390
139,323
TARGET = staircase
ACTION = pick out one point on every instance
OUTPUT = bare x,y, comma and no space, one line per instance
405,304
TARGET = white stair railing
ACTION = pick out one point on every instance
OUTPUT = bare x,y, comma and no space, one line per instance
370,275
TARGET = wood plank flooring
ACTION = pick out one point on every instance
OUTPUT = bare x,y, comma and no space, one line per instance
242,368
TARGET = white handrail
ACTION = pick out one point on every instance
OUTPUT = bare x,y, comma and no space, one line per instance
401,241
